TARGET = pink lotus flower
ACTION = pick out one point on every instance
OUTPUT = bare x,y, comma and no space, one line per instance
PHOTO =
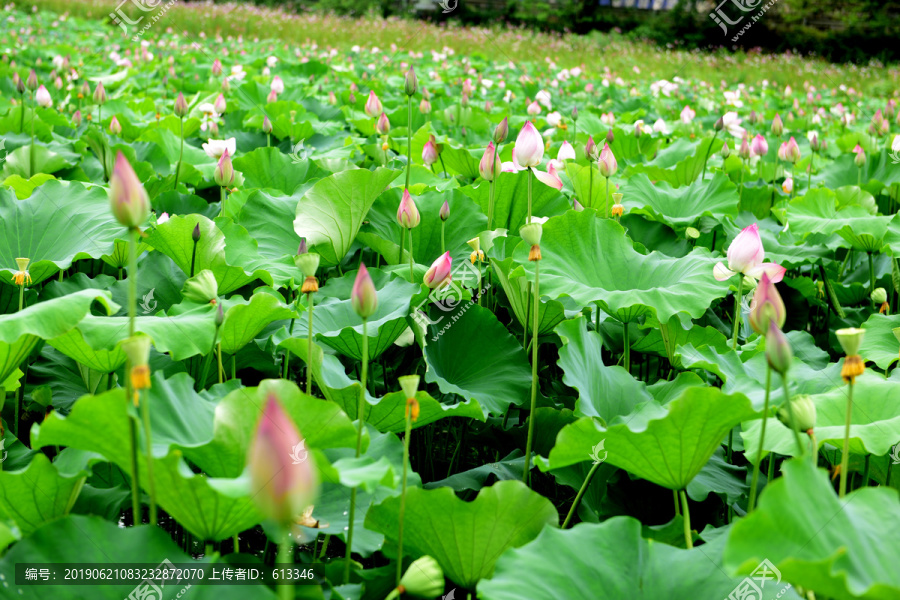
382,126
217,67
283,477
766,306
607,162
759,147
363,296
127,196
745,255
439,272
424,106
407,213
529,147
224,172
373,105
512,166
791,151
687,114
860,158
533,109
429,153
787,186
272,97
115,127
550,178
219,105
277,85
489,167
42,97
566,152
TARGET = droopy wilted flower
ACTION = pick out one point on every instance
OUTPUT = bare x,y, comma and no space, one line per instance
22,276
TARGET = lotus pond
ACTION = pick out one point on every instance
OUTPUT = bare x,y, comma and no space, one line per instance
440,325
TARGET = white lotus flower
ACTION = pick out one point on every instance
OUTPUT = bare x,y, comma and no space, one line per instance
215,148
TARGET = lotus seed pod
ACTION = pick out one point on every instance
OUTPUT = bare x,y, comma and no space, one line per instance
850,339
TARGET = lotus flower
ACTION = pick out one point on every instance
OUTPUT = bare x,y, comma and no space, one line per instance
791,151
766,306
566,152
99,94
373,106
277,85
529,148
115,127
128,198
216,68
220,105
512,166
551,177
284,479
383,125
554,119
42,97
224,173
745,255
215,148
429,153
607,162
788,186
181,106
687,114
363,296
445,211
425,106
439,272
860,158
489,167
407,213
533,109
895,145
759,147
732,124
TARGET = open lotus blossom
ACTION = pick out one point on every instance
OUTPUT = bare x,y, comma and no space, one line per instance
529,149
208,117
215,148
438,274
745,255
373,106
551,177
732,124
687,114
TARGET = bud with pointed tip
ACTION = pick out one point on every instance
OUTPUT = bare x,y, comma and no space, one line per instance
792,150
266,125
363,296
224,173
383,125
590,149
719,125
18,83
501,131
181,106
778,349
76,118
726,151
489,167
86,90
429,153
226,85
411,84
860,158
574,113
195,234
814,143
607,162
407,213
42,97
127,195
100,94
115,127
745,151
759,146
439,272
766,306
373,105
777,125
220,105
220,316
425,106
283,486
32,82
216,68
610,136
529,146
445,211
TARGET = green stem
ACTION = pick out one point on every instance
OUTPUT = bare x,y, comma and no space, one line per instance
194,257
872,277
237,544
581,492
529,196
534,369
845,455
809,173
443,168
286,557
737,312
408,138
221,370
309,346
129,390
402,245
135,484
688,538
590,198
360,415
677,503
412,277
865,477
627,343
145,414
606,198
180,155
741,186
443,245
403,494
31,148
711,144
762,436
222,201
200,384
491,191
790,407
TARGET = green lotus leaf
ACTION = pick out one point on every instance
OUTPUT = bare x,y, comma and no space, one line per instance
244,320
270,168
511,199
681,207
589,186
72,344
817,213
37,494
466,538
591,260
514,284
880,345
680,166
833,547
330,214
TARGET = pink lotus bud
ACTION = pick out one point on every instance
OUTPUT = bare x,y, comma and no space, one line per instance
814,143
429,153
550,178
224,173
219,105
501,131
590,149
529,146
383,125
744,151
488,106
58,83
777,126
766,306
792,150
445,211
283,477
18,83
778,349
277,85
332,99
407,213
759,147
607,162
534,108
76,118
181,107
127,196
217,68
373,105
42,97
467,87
266,125
746,251
787,186
99,94
860,158
489,168
32,82
687,114
226,85
577,206
566,152
425,106
726,150
115,127
363,296
272,97
439,273
411,83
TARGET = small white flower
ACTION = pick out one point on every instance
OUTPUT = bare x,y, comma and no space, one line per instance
215,148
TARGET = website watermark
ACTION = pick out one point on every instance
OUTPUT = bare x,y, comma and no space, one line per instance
598,453
727,17
148,304
121,19
751,588
895,451
448,297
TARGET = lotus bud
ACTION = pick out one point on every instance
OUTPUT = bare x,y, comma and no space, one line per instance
383,125
788,185
201,288
181,106
439,273
373,105
217,68
758,146
777,126
859,160
590,149
575,113
363,296
607,162
850,339
115,127
726,151
42,97
195,233
18,83
284,484
58,83
744,152
501,131
220,105
425,106
804,410
792,150
423,579
266,125
407,213
429,153
638,129
224,173
766,306
577,206
411,84
529,146
719,125
814,143
610,137
76,118
277,85
778,349
226,85
32,82
99,94
127,195
137,349
489,168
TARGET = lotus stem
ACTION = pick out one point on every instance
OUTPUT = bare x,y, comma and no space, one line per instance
741,186
408,138
402,245
528,220
219,353
677,503
762,436
444,245
845,454
286,557
706,158
590,198
309,345
360,415
31,148
129,389
534,369
22,120
737,312
491,192
151,485
865,477
222,197
180,155
627,343
790,407
606,197
580,494
403,493
809,172
443,168
200,384
412,277
688,538
871,277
